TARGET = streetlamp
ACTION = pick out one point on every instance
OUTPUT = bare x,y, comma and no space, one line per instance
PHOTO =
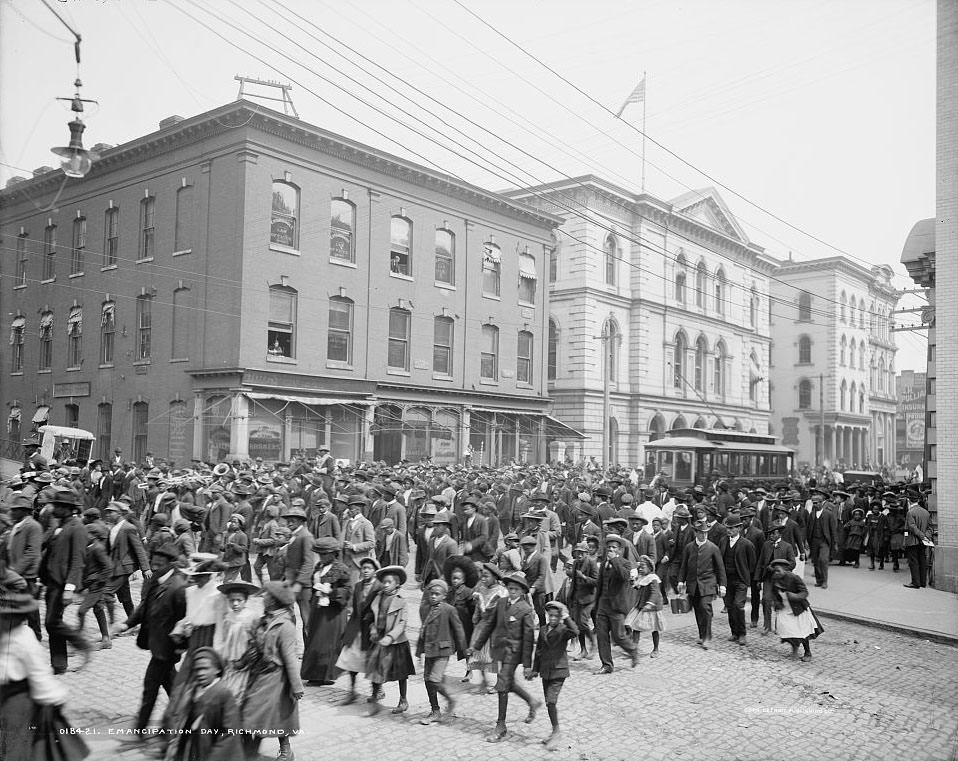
76,159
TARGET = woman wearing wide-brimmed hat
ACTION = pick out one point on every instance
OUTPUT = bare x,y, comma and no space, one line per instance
854,536
26,684
795,621
390,659
234,633
485,594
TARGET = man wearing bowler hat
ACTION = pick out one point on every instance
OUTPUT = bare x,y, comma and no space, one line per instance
614,598
738,555
24,546
359,537
299,562
439,547
821,532
702,574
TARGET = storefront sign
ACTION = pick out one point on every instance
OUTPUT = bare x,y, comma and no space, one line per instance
63,390
266,441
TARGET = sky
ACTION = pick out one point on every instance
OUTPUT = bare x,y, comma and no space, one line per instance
813,118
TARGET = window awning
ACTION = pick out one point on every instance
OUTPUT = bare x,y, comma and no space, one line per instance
42,413
14,413
75,319
16,325
310,401
558,430
527,268
492,253
108,315
46,320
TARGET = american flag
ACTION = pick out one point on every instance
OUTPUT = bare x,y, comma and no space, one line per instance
636,96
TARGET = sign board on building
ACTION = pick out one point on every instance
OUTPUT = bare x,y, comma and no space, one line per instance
63,390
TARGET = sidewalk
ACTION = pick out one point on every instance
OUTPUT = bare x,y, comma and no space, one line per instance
877,598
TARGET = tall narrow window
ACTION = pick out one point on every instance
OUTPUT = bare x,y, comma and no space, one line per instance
805,395
805,307
111,236
398,351
611,260
107,332
445,257
527,279
400,246
185,220
701,350
491,268
843,395
442,335
678,361
553,360
75,337
284,216
701,285
553,263
21,275
842,351
182,323
524,357
339,340
755,377
861,401
342,230
144,328
17,329
141,420
719,369
610,330
46,341
50,252
861,355
104,430
843,315
489,353
72,415
804,350
147,230
78,249
852,354
753,308
720,291
281,331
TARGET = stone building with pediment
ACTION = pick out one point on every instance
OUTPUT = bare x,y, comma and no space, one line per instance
667,301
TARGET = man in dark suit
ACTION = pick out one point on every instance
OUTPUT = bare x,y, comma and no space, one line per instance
475,532
440,547
23,550
423,534
299,562
162,604
614,596
682,534
775,548
752,530
61,571
702,574
916,530
126,553
535,565
738,556
583,577
821,531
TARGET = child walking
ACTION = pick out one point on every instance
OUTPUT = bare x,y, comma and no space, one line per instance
442,635
390,660
649,616
552,664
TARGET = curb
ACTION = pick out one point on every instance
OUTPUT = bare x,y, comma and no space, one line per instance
941,638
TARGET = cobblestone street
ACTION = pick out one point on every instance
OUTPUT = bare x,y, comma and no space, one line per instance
867,694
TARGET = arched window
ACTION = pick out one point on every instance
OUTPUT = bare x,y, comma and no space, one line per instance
843,395
489,353
852,305
852,353
871,318
400,246
614,337
881,374
656,427
805,395
553,361
861,355
844,307
281,329
680,276
445,257
701,285
861,400
442,345
342,230
144,327
843,350
107,332
755,376
891,376
46,341
805,307
400,321
701,350
753,308
339,335
284,227
720,291
700,423
679,422
491,268
719,370
611,259
804,350
861,314
852,396
75,337
678,361
17,331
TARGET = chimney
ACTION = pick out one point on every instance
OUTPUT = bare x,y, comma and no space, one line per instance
169,121
101,147
42,170
15,181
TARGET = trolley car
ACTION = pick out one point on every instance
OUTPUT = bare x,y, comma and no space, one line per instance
689,456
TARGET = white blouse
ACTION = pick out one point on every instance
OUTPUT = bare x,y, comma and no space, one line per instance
22,657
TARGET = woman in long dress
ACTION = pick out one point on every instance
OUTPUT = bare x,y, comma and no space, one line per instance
795,621
390,659
356,637
233,635
327,619
486,593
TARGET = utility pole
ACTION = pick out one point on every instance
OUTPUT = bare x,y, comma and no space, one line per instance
606,337
821,406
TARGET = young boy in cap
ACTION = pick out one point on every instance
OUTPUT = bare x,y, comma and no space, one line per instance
552,664
509,626
442,634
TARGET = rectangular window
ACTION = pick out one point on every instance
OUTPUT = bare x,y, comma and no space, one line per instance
527,279
400,246
442,346
339,343
398,354
50,252
111,241
78,249
282,322
72,415
185,216
75,338
445,257
491,269
107,333
342,230
141,419
182,320
524,358
46,341
553,264
144,327
489,354
16,344
21,277
104,430
147,211
283,228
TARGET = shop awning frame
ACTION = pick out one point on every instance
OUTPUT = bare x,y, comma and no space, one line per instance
309,401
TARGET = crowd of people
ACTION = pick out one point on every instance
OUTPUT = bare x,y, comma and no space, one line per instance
261,581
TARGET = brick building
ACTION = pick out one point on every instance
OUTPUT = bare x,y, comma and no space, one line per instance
242,283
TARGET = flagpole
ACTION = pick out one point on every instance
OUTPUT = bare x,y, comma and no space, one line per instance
644,100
